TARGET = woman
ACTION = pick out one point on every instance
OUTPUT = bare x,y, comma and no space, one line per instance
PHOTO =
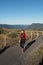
22,39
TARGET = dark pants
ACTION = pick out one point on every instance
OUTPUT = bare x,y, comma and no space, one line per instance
22,42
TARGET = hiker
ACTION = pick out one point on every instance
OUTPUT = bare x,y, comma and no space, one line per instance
22,39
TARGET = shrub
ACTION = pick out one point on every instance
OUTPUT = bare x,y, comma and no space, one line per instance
13,35
1,30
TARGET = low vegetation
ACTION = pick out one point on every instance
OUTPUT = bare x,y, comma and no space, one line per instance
37,56
12,36
8,36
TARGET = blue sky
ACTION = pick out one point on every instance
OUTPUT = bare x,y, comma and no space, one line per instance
21,11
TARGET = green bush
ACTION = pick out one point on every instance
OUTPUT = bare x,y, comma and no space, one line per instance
1,31
13,35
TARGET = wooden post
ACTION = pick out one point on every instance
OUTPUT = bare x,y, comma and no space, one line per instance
31,35
42,33
5,41
34,34
37,34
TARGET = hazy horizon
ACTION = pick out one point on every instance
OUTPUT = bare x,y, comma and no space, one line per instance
22,24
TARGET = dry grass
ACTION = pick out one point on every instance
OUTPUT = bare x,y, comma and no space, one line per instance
37,56
12,36
2,40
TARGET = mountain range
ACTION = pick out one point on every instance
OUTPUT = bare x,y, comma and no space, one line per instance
33,26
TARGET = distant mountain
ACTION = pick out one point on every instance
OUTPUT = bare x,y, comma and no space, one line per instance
34,26
13,26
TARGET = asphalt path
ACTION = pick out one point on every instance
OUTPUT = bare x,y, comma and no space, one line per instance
13,56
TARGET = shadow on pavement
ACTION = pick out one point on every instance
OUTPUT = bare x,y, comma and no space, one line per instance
29,44
2,50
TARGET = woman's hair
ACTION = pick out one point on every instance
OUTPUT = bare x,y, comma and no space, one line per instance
23,30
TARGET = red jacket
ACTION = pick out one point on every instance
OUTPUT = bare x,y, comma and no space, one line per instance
24,36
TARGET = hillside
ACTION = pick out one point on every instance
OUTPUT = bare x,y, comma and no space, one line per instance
33,26
13,26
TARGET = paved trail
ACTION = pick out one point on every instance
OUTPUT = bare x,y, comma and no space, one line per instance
13,55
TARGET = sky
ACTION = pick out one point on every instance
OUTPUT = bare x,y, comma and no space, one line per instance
21,11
